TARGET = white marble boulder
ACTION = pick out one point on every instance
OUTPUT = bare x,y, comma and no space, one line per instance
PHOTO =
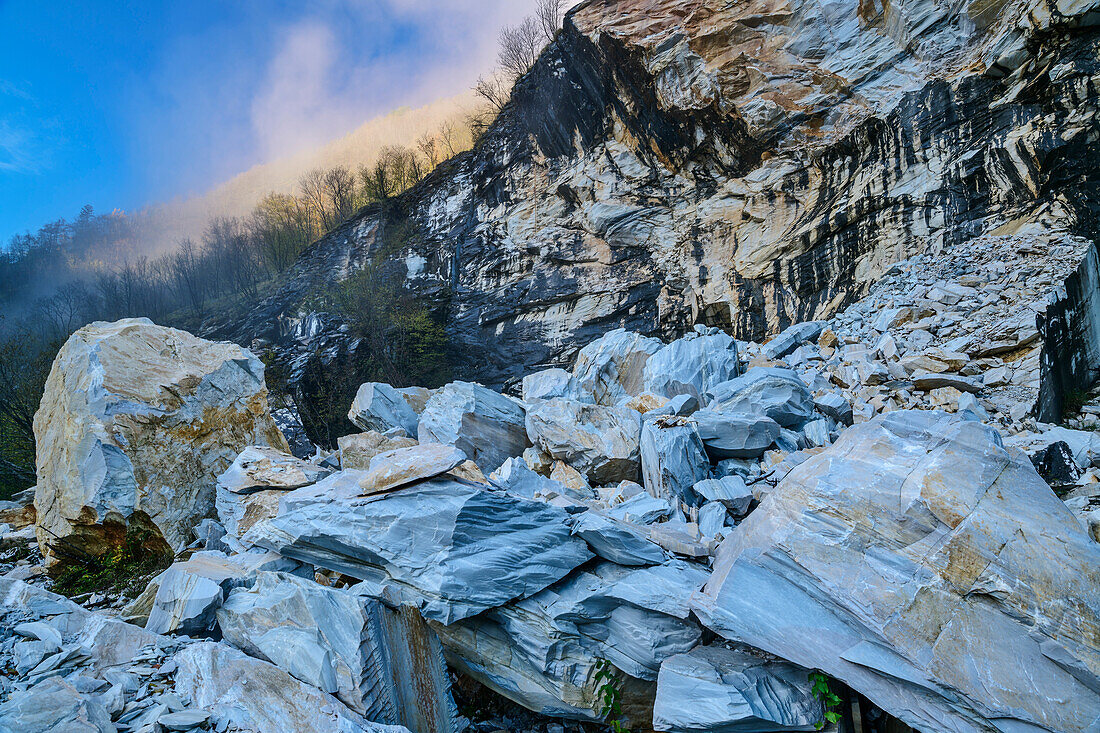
711,689
541,651
135,423
378,406
929,569
485,425
257,468
550,383
396,468
250,488
357,449
610,370
774,392
251,694
384,664
693,365
731,434
599,441
448,547
673,458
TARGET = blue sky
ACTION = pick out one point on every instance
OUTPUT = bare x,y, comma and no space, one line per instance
119,104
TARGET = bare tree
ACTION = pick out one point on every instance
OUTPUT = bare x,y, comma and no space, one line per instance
188,276
428,145
314,193
494,91
519,47
448,134
64,310
377,185
548,13
340,189
280,225
396,169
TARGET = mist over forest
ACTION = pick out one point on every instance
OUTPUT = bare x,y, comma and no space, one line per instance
180,263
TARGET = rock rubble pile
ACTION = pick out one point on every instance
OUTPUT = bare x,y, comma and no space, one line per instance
715,521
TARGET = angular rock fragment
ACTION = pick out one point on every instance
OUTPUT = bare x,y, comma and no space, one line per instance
619,542
384,664
575,482
770,391
673,458
610,369
415,398
239,512
111,642
357,449
926,381
601,442
515,477
929,569
712,688
682,538
485,425
255,695
396,468
19,512
735,434
792,338
450,548
693,365
641,509
730,491
682,405
541,651
380,407
54,705
189,593
135,423
257,468
712,519
183,720
250,489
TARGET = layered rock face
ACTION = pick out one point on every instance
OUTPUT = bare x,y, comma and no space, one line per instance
747,166
135,424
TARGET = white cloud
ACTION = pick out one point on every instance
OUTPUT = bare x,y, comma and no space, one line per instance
21,150
296,107
316,88
15,155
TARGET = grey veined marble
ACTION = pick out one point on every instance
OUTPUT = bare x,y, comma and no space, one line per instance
384,664
712,689
928,568
693,365
447,546
485,425
380,407
541,651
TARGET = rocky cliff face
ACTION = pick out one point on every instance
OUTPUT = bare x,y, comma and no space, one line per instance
747,166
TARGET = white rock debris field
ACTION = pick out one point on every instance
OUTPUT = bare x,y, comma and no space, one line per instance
862,524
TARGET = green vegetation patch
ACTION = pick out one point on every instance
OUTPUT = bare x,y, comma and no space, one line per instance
126,568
